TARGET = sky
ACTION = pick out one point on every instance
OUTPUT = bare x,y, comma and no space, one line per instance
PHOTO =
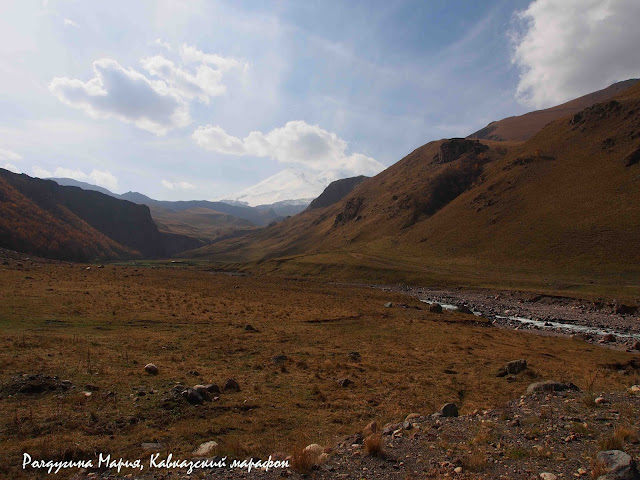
202,99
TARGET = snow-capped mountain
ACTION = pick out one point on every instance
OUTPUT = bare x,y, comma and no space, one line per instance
289,184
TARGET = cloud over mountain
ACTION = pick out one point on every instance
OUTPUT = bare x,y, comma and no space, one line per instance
297,143
567,48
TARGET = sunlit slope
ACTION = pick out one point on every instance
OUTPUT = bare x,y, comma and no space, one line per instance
566,202
525,126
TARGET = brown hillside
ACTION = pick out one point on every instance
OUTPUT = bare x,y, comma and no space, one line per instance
563,205
26,227
523,127
41,216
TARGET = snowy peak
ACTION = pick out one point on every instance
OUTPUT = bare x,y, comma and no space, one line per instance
288,185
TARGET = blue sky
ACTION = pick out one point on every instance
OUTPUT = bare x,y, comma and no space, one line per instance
201,99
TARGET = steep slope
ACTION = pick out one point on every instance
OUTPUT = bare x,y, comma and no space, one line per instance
523,127
94,216
566,203
53,233
336,191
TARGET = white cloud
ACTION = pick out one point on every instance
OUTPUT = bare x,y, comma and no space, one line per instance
70,23
177,185
206,82
191,54
101,178
11,167
162,43
124,94
297,143
567,48
6,154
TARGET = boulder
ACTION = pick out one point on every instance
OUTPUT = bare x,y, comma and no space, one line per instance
551,386
151,369
435,308
314,453
192,396
212,388
231,386
449,410
608,338
345,382
547,476
618,464
205,449
512,368
203,391
388,305
355,356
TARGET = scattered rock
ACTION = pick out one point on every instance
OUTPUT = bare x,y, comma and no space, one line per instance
355,356
600,401
203,391
205,449
279,359
389,428
512,368
435,308
151,369
315,454
193,396
152,447
457,470
449,410
35,384
370,429
212,388
634,389
231,386
619,465
547,476
551,386
345,382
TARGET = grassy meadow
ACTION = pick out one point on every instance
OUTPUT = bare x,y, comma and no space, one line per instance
99,327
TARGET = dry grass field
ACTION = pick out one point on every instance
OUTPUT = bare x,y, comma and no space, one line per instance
99,327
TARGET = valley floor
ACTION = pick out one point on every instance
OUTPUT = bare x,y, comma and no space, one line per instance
75,340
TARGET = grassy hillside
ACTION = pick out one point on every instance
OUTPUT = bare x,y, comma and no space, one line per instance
525,126
560,210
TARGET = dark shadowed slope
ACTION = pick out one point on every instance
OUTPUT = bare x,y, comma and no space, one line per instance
336,191
110,228
523,127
